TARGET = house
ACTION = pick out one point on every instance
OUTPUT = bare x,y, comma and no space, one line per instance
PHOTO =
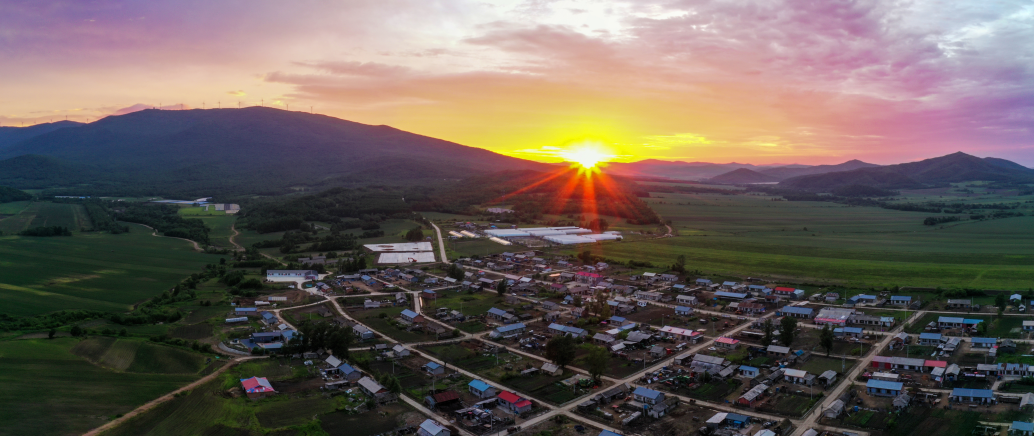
1028,326
508,331
257,387
752,395
514,403
1007,346
372,388
882,388
898,363
703,282
706,363
797,312
411,316
348,372
849,332
442,399
728,285
834,410
551,369
862,298
983,342
900,300
777,351
362,333
481,389
648,296
979,396
960,304
834,315
245,311
901,401
732,296
300,274
828,378
752,308
647,396
1020,428
400,351
433,369
618,321
500,315
683,311
798,377
863,319
727,343
687,300
638,337
831,297
549,305
431,427
949,322
749,371
793,293
603,339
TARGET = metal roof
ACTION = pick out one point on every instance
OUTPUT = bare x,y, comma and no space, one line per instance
1021,426
883,384
510,327
479,385
431,427
410,313
798,310
975,393
949,319
648,393
901,298
748,368
936,336
984,340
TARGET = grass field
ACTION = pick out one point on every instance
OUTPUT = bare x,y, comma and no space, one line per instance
38,214
200,211
819,364
835,244
95,271
43,378
473,247
135,355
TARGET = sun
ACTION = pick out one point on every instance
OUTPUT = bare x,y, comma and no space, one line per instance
587,155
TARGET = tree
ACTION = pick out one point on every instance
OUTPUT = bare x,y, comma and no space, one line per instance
1000,301
982,328
826,339
501,287
680,264
77,331
768,328
585,257
597,361
599,225
787,329
577,302
456,272
52,333
416,234
341,340
560,350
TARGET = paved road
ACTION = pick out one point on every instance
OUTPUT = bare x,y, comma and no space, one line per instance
441,243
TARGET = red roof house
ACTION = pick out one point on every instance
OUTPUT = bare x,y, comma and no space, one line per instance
257,387
514,402
784,290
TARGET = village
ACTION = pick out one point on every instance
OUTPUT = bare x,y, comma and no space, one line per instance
473,344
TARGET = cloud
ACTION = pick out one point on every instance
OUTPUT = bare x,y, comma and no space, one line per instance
238,93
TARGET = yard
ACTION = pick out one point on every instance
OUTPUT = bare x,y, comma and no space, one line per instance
819,364
385,325
715,390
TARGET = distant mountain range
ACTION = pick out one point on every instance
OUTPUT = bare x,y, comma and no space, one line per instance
743,176
254,149
953,168
13,135
701,171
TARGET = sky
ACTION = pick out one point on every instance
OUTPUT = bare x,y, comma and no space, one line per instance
762,82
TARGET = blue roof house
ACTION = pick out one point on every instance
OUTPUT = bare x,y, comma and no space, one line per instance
647,396
481,389
883,388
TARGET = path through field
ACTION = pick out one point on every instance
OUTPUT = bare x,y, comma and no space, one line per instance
235,233
155,402
155,233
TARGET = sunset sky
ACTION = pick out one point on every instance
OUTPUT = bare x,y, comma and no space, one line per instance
773,81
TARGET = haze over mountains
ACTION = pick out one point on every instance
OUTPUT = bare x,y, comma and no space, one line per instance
261,150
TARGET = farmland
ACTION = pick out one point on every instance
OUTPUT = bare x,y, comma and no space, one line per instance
830,243
38,214
44,378
96,271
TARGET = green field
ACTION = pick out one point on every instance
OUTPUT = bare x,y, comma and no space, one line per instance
826,243
43,378
473,247
200,211
134,355
95,271
208,410
39,214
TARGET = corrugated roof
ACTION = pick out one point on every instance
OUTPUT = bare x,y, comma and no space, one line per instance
976,393
647,393
479,385
883,384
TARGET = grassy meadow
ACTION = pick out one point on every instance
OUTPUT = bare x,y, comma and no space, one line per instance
825,243
96,271
45,378
25,215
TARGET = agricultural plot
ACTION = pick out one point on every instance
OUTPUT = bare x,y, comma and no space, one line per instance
372,318
221,226
133,355
833,244
1005,327
819,364
48,373
94,271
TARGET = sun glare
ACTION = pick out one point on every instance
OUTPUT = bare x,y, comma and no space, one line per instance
587,155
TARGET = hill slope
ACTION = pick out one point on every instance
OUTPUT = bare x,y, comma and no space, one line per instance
743,176
257,146
14,135
956,167
787,172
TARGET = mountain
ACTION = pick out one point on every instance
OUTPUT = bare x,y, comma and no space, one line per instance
672,170
262,148
13,135
788,171
955,167
705,170
743,176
